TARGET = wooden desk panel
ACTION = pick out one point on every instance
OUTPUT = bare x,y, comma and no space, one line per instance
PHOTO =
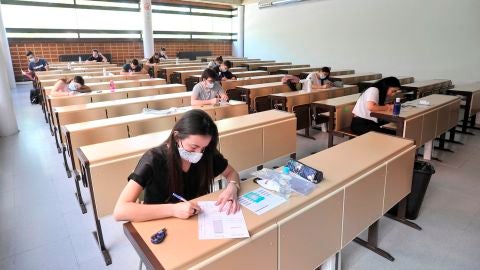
413,130
277,140
151,125
363,204
310,236
398,179
240,155
125,109
109,97
256,252
429,126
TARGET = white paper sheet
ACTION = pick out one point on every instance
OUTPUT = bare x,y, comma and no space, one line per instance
213,224
260,200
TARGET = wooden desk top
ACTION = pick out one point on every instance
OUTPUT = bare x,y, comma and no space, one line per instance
97,153
137,117
402,79
160,81
251,73
102,78
356,75
470,87
427,83
329,161
191,67
309,92
118,90
260,85
284,66
119,102
339,101
436,100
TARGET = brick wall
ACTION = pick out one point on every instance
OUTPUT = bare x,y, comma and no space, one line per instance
120,50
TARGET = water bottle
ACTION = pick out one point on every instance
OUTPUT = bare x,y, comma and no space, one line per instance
69,66
177,61
284,183
112,86
104,72
396,107
79,59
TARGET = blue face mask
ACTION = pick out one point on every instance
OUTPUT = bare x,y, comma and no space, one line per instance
71,86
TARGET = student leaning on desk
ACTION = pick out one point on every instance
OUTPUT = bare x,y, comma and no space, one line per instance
65,87
208,91
373,100
185,164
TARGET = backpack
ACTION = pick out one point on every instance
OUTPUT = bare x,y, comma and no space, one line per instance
35,96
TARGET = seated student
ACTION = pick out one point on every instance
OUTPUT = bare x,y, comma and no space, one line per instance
155,59
133,67
185,164
291,81
64,87
208,91
321,79
217,62
34,64
96,57
373,100
163,54
223,72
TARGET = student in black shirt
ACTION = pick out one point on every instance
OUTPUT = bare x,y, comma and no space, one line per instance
155,59
133,67
96,57
163,54
223,72
185,164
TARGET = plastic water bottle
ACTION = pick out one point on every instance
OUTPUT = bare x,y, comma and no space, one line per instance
177,61
79,59
112,86
284,183
396,107
69,66
104,72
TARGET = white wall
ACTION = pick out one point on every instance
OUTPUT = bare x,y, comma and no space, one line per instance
425,39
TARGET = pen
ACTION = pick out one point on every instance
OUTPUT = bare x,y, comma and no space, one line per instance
178,197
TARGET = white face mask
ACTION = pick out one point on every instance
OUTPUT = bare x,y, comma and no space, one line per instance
192,157
32,60
210,85
322,76
71,86
223,69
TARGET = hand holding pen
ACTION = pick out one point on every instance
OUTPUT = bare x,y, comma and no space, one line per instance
185,209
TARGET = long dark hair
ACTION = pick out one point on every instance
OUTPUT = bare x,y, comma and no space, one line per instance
383,85
194,122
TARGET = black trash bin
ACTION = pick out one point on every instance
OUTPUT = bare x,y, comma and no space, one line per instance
422,172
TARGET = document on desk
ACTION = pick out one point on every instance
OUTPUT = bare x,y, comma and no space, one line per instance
213,224
260,200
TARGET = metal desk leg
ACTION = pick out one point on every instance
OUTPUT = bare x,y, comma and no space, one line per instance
400,217
372,241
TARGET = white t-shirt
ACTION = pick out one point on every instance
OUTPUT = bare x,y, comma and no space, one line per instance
360,109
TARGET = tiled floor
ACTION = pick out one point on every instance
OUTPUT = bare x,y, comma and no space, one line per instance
41,226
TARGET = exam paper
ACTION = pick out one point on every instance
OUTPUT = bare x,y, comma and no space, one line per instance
213,224
260,200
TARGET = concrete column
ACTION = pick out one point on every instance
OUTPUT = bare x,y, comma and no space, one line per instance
8,122
238,45
6,53
147,33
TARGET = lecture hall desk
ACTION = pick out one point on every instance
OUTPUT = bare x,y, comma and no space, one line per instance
267,136
303,232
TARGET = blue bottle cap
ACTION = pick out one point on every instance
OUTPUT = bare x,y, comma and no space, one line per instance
286,170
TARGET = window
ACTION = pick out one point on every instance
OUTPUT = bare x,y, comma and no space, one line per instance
112,19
